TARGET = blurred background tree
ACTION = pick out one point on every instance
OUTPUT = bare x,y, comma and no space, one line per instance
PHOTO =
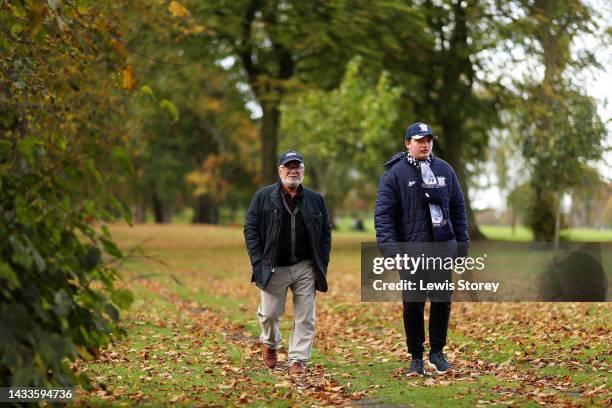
229,71
336,129
559,125
193,141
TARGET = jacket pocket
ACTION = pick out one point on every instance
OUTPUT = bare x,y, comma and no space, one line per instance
256,276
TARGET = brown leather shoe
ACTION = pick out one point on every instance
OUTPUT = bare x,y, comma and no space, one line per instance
297,368
269,356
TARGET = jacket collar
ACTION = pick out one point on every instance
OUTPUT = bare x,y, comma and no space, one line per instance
276,191
397,157
394,159
276,194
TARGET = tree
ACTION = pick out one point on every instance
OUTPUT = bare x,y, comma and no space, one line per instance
461,104
588,196
433,51
279,45
560,128
188,117
519,201
607,213
343,132
60,73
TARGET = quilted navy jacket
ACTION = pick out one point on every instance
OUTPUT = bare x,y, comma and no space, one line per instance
401,214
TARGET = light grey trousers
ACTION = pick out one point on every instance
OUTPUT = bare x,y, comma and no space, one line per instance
300,278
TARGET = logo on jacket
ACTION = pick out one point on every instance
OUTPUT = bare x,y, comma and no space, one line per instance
411,183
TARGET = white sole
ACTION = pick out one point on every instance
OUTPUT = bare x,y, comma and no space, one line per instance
410,375
432,366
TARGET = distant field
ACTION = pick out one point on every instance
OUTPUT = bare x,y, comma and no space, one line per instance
494,232
504,232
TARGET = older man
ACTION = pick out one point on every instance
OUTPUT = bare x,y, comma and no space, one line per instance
420,201
288,237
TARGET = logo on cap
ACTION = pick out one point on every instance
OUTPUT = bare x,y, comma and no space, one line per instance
423,127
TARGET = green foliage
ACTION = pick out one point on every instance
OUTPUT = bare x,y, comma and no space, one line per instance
281,47
58,102
344,133
560,129
520,199
188,122
573,136
171,109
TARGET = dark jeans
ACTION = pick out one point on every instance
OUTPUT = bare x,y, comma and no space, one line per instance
414,324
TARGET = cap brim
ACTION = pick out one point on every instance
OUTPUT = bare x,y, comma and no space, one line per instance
421,136
291,160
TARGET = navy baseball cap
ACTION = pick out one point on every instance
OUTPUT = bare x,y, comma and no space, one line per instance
418,130
290,155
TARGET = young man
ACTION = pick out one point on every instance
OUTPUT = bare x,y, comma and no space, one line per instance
419,200
288,237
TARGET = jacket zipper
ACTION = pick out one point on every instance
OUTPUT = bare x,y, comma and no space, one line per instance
310,236
273,254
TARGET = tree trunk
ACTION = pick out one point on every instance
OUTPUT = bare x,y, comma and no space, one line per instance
543,209
161,213
588,212
267,83
139,213
450,107
140,210
557,222
233,210
206,211
269,140
541,212
331,213
452,147
168,213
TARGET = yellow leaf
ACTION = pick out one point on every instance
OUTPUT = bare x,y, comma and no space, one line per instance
129,81
177,9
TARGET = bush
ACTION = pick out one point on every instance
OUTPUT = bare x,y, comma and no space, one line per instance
58,94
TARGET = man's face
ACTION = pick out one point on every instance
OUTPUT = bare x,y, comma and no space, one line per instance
291,174
420,148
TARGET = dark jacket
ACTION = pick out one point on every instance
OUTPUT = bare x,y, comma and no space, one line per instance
262,227
402,215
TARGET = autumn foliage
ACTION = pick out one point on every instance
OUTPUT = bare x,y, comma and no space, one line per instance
61,70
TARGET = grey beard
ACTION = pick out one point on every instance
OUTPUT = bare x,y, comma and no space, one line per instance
287,183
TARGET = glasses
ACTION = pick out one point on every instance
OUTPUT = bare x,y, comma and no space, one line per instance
298,168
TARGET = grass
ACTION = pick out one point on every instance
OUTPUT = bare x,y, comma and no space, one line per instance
495,232
504,233
195,342
521,233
